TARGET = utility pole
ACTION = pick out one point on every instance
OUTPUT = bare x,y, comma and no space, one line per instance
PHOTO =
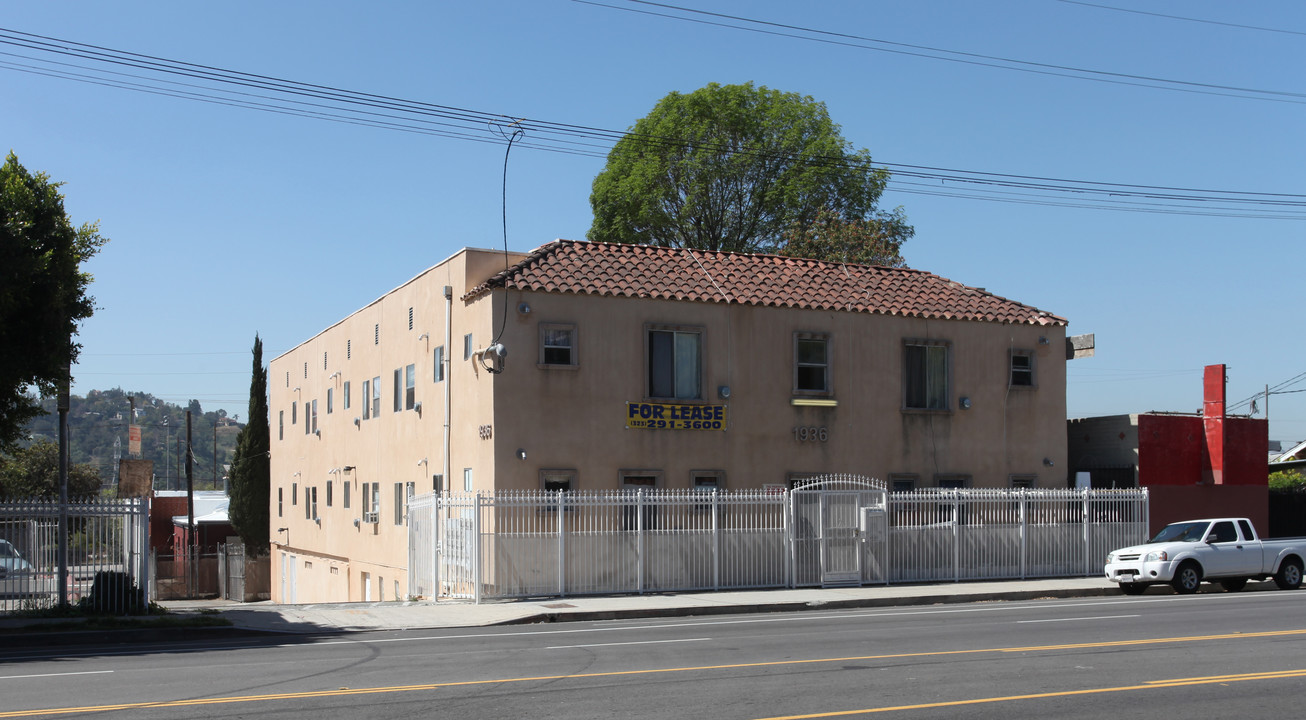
191,560
63,485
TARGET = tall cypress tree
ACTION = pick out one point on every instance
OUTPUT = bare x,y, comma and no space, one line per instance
251,477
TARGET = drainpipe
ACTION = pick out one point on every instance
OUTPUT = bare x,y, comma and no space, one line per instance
448,377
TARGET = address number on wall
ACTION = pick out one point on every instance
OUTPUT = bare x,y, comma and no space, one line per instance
486,431
811,433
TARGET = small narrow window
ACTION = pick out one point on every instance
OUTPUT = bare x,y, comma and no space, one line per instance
281,424
812,364
438,359
345,499
314,415
376,396
344,395
281,498
331,400
328,493
467,346
467,479
558,345
410,387
399,503
1024,481
952,482
399,393
294,413
367,406
294,493
1022,368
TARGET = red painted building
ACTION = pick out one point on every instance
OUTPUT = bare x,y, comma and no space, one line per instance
1194,465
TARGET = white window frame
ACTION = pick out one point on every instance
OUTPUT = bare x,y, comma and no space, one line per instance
936,399
679,334
799,365
572,349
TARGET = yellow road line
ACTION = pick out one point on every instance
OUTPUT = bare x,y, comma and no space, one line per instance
1154,685
702,668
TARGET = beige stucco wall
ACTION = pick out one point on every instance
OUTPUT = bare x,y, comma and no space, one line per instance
575,418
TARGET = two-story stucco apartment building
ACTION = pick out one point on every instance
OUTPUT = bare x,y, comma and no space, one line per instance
598,366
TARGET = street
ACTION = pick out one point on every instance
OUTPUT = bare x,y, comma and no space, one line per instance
1214,653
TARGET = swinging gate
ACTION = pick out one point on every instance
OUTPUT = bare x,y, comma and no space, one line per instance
839,531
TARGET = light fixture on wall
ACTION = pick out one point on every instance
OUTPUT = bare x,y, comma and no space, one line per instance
964,402
521,454
333,375
417,406
296,474
348,468
423,336
523,308
1047,462
723,391
1043,340
422,461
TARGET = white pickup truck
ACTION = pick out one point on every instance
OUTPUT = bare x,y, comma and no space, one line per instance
1223,550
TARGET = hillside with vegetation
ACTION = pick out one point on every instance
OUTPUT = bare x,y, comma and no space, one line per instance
98,432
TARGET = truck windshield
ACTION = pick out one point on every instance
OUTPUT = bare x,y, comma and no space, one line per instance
7,550
1182,532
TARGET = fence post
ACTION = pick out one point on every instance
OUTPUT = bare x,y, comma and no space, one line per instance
791,551
1024,538
716,544
562,544
956,536
1088,540
476,549
639,541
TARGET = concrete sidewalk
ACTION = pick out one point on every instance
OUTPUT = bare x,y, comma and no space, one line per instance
353,617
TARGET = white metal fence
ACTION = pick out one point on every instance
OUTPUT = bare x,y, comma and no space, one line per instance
105,539
532,544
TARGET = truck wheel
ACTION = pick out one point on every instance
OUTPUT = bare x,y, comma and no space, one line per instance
1133,588
1233,584
1289,575
1189,577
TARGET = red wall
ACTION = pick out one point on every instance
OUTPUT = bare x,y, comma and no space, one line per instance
162,510
1170,450
1168,503
1246,455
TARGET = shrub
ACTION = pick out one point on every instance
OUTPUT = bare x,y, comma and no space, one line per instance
114,592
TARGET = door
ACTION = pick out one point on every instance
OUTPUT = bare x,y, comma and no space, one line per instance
840,541
1227,555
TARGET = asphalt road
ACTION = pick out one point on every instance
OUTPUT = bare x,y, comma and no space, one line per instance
1206,655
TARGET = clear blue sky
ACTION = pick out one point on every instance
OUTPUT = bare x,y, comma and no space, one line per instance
226,221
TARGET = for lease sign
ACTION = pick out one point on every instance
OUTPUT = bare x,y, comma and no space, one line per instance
660,416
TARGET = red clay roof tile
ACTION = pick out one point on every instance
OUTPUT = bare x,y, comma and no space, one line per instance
620,270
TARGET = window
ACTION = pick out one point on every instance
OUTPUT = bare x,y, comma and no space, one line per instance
399,503
281,499
558,480
410,387
308,422
294,413
315,415
328,493
294,493
281,424
345,499
1024,481
1223,532
812,364
674,363
1022,368
925,375
903,482
372,502
331,400
558,344
707,480
310,503
437,483
376,396
438,359
399,392
467,346
344,395
367,406
952,482
467,479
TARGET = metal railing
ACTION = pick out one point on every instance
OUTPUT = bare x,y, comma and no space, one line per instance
106,565
529,544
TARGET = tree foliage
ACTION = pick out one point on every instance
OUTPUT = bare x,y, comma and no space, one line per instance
251,475
871,241
33,472
736,168
1287,481
42,292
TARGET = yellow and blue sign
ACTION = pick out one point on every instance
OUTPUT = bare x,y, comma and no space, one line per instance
658,416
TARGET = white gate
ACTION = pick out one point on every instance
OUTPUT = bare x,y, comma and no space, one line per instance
838,532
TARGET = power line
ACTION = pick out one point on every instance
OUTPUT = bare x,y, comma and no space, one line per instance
956,56
1185,19
269,94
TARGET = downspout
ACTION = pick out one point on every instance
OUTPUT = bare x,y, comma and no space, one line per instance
448,378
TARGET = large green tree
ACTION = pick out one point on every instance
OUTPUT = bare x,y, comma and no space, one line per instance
33,472
42,292
251,476
871,241
735,168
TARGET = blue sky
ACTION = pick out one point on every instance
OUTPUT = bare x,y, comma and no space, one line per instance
226,221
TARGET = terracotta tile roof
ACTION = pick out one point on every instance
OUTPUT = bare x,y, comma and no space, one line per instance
643,271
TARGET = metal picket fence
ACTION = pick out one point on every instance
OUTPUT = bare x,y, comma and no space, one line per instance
552,544
107,542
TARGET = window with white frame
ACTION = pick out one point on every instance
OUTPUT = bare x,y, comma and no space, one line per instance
376,396
314,414
281,499
328,493
1024,481
468,348
558,345
467,480
281,424
331,400
812,364
674,361
410,387
344,395
438,359
345,500
367,405
398,390
1022,369
925,375
371,502
557,480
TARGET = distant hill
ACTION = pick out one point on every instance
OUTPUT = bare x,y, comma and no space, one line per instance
101,419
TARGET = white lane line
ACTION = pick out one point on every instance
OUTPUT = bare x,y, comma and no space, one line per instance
1100,617
23,677
639,642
